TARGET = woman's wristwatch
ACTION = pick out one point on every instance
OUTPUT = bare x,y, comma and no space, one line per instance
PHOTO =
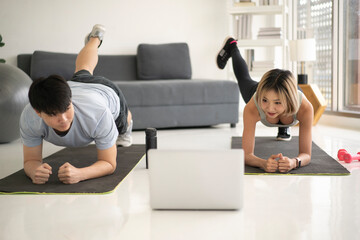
298,162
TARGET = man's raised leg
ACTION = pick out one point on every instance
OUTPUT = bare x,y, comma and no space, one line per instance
87,58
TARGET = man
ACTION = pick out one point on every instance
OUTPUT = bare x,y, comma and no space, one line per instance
73,114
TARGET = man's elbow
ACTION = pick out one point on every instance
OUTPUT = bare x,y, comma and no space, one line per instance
112,168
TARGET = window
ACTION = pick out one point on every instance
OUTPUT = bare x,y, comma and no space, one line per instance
336,70
314,19
349,96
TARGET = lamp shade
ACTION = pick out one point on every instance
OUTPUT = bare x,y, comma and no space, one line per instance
302,50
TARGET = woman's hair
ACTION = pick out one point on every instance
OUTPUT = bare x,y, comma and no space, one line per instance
284,84
50,95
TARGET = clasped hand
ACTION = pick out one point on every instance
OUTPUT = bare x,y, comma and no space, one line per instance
67,174
279,162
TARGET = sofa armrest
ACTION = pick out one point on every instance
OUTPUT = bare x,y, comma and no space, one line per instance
24,62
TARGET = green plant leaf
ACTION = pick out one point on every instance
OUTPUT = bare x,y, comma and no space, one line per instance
1,45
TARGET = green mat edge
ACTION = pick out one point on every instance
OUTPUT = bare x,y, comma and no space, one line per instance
103,193
301,174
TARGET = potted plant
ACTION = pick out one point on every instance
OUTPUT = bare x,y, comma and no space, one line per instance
1,45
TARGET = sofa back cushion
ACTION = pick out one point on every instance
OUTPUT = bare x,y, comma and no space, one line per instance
44,64
163,61
116,67
113,67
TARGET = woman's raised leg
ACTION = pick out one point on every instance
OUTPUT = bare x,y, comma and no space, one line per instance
247,85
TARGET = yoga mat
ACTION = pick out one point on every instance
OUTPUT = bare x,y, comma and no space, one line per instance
321,163
127,159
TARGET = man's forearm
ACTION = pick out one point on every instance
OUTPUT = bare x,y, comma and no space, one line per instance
98,169
105,165
30,166
69,174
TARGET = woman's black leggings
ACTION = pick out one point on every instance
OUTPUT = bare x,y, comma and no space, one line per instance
247,85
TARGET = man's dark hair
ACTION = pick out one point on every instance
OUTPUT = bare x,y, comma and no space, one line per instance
50,95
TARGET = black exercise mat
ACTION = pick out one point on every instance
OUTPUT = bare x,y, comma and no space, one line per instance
321,163
127,159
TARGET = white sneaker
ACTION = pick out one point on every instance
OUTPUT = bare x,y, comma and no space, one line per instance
125,140
97,31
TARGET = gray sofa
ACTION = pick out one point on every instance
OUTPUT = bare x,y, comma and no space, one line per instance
156,83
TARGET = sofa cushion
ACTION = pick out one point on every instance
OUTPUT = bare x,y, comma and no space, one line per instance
44,64
116,67
163,61
119,67
179,92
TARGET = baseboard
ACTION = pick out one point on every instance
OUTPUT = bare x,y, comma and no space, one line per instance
340,121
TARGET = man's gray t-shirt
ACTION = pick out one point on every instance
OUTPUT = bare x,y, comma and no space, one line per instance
96,107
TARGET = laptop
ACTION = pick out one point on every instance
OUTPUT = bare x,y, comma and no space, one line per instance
196,179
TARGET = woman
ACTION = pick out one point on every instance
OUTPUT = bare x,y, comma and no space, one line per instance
276,102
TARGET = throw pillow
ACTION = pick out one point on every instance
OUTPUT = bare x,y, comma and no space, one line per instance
163,61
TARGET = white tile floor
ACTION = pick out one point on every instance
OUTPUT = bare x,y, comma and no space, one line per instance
275,207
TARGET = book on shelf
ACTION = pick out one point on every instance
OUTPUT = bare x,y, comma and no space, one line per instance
243,29
270,29
269,32
244,4
249,58
264,66
268,2
274,36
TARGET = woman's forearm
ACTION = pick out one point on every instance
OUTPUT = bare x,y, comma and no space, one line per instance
254,161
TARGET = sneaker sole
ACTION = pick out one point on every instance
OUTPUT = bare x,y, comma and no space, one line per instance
96,26
99,26
124,144
223,45
284,139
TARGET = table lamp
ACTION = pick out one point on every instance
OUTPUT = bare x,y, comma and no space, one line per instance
302,50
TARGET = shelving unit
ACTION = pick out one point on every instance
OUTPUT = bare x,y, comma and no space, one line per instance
270,9
268,43
248,43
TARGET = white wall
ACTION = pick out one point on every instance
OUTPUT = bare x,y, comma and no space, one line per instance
61,25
